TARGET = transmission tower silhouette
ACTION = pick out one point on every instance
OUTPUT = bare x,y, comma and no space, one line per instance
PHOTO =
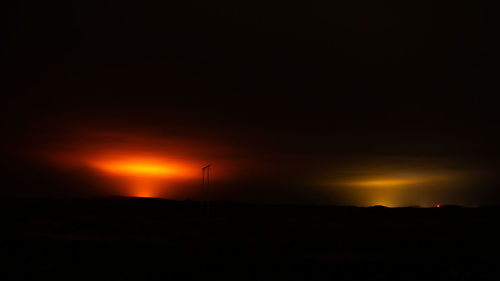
205,171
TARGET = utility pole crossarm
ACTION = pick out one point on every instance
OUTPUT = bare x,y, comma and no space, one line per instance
205,171
206,176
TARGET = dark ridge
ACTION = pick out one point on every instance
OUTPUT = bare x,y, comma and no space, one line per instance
152,239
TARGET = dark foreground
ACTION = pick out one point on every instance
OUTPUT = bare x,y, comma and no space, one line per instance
146,239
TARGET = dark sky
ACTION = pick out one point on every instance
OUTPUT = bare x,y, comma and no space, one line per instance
310,100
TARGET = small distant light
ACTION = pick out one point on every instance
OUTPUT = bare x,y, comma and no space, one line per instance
438,205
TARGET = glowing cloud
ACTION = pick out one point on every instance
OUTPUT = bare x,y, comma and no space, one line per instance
398,182
139,168
143,177
384,182
132,164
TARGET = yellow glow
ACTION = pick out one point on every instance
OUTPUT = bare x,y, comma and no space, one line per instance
383,182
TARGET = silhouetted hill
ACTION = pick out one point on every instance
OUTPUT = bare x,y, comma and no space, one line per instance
153,239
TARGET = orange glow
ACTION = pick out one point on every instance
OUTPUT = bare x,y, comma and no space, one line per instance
138,163
139,168
143,176
135,165
143,187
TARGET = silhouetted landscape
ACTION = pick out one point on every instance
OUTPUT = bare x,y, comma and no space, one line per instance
300,113
154,239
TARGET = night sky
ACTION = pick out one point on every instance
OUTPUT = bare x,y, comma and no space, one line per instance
319,102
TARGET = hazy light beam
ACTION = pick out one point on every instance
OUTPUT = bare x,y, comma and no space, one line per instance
383,182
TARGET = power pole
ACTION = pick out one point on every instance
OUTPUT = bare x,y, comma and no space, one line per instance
205,171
